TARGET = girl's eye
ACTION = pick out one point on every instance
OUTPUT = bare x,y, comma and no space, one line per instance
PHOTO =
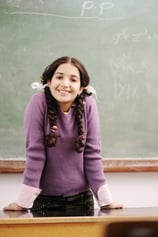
59,77
73,79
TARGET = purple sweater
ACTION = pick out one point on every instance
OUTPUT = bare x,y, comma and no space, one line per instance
60,170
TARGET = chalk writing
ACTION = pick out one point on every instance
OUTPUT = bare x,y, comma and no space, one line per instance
101,11
126,36
126,65
125,73
88,10
88,6
122,90
128,90
64,16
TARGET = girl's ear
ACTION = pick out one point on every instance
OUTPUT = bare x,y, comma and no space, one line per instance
48,82
81,89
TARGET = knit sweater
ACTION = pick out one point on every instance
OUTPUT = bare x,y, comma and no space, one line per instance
60,170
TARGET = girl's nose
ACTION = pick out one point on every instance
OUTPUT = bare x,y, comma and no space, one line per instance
65,82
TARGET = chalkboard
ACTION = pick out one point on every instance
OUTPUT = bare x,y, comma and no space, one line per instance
118,43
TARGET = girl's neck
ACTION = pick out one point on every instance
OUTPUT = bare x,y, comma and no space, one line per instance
65,107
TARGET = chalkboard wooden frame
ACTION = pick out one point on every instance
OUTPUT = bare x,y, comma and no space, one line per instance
110,165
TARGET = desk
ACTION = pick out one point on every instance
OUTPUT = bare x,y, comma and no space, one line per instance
23,224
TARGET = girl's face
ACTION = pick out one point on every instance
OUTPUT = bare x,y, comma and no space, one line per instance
65,85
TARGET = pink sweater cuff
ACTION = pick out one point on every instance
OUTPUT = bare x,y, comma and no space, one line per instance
27,195
104,196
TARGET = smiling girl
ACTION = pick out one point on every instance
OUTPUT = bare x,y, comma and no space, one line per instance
63,153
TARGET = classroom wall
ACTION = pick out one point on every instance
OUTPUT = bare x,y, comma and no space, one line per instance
135,189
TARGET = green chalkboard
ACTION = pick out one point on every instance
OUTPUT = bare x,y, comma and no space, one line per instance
117,40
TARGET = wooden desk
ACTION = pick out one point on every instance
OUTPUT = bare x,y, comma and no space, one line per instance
23,224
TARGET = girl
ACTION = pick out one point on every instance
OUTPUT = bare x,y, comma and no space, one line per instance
63,152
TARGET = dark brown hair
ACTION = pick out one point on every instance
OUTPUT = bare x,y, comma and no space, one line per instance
51,138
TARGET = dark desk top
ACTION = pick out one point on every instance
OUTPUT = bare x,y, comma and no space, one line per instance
125,212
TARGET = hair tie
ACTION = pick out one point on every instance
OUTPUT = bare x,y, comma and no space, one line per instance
38,86
90,89
54,128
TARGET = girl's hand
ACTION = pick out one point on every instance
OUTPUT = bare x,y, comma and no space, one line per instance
113,205
14,207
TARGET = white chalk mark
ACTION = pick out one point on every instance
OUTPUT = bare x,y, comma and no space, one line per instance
105,6
65,17
87,5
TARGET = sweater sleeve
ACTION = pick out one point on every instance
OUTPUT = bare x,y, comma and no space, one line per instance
34,135
92,156
27,195
104,196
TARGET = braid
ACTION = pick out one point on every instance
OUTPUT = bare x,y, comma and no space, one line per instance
79,143
51,138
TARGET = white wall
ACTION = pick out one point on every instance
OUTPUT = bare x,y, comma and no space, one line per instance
131,189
